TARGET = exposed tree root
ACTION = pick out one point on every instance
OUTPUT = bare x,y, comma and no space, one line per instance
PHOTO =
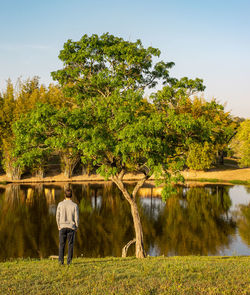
125,248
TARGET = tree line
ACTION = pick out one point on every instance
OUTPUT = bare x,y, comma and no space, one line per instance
99,114
38,121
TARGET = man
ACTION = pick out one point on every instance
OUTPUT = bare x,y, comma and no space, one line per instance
67,218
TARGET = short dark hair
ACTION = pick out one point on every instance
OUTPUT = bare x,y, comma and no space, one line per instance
68,193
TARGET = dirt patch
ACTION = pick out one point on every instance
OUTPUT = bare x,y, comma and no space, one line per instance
225,174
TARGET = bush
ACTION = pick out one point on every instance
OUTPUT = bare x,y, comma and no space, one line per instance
241,144
201,156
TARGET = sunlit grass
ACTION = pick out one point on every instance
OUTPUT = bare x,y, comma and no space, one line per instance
161,275
215,180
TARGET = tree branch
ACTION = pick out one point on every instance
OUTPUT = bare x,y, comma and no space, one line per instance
122,188
103,94
121,174
139,185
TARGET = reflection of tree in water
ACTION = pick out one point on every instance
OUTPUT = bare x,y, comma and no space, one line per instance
243,222
27,229
195,222
150,209
247,188
105,220
28,225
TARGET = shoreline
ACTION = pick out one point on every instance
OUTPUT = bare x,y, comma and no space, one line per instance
225,176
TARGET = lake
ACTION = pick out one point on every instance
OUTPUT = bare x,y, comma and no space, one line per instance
198,220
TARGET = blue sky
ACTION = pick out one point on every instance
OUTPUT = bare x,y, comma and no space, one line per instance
206,39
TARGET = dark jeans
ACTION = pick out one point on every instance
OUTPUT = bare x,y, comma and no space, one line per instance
64,234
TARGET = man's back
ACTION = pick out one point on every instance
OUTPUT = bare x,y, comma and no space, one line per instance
67,215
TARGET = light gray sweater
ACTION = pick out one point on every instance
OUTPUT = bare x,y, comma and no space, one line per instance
67,215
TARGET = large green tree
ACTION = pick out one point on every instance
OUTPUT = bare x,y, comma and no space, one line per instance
121,131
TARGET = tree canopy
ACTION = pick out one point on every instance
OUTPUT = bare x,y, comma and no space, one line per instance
101,65
16,103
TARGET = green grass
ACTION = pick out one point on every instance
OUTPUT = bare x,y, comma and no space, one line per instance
204,179
215,180
174,275
245,182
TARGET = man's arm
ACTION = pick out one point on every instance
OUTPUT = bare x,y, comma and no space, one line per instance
77,216
58,216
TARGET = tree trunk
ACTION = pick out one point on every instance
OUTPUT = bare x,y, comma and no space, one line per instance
12,193
69,163
86,170
139,246
39,173
14,172
221,157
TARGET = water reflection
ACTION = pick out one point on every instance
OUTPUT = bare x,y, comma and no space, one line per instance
243,221
196,220
26,227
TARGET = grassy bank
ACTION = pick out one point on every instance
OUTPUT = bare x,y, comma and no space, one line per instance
175,275
215,180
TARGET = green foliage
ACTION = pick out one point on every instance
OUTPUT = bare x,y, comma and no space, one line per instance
207,128
45,130
125,132
14,104
241,144
31,135
200,156
100,65
9,160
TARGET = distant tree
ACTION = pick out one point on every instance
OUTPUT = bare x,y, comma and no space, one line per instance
42,131
31,133
7,110
15,103
64,136
201,156
207,127
240,144
1,129
7,117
